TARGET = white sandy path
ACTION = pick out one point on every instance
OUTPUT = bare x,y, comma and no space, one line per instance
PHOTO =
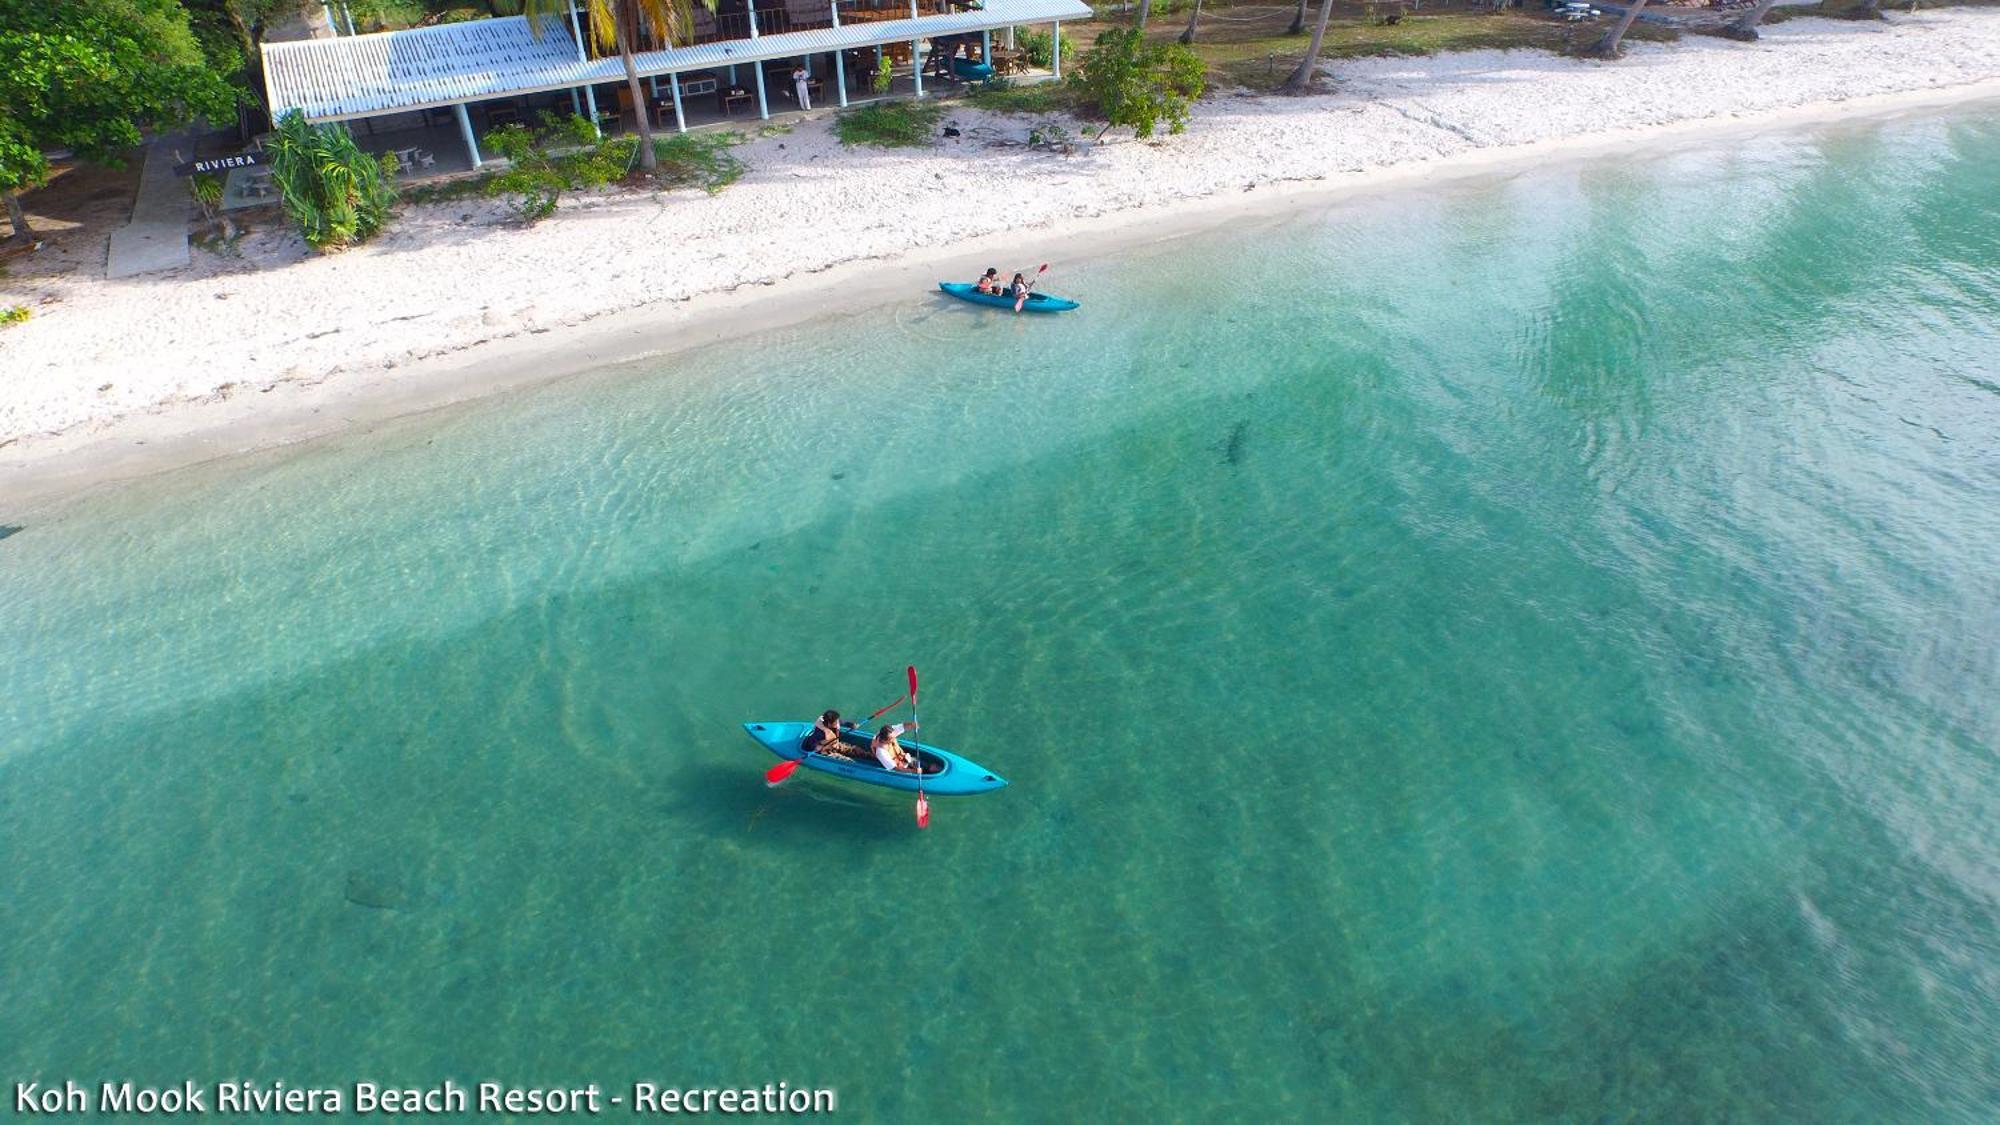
451,276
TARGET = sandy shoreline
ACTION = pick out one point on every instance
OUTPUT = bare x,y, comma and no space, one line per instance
115,379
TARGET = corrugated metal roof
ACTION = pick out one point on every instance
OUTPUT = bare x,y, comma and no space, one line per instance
392,71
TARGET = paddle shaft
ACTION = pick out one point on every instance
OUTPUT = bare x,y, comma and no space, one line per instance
1018,302
923,804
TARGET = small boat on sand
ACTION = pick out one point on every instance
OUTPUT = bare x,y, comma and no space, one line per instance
1037,302
945,773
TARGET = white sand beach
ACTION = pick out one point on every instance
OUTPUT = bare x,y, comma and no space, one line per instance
105,365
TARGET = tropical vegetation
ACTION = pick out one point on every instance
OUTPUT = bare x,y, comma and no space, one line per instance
337,194
890,124
87,76
619,25
1138,84
563,155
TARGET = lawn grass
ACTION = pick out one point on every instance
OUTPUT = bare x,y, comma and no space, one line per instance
1247,45
889,124
1036,97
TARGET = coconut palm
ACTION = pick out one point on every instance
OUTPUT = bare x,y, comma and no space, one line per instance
1145,9
1298,20
1613,41
1301,79
1187,36
616,25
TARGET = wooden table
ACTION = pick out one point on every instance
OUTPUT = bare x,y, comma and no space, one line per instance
729,99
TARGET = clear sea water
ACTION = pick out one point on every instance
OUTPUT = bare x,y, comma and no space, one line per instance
1517,650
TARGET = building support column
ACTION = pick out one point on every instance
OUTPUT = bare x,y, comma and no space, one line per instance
986,48
680,119
917,58
1055,49
575,102
465,127
840,76
763,103
589,93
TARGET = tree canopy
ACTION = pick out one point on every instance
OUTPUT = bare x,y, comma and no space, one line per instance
86,75
1140,84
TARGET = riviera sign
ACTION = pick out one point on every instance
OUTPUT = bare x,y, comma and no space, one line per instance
221,163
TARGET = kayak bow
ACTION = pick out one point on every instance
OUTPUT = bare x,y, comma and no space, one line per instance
945,773
1037,302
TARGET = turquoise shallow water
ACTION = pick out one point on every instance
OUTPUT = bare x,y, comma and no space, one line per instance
1536,659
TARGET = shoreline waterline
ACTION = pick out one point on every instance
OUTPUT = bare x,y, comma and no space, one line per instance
40,470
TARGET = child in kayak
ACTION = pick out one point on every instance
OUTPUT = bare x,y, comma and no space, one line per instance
1019,290
824,737
889,752
989,282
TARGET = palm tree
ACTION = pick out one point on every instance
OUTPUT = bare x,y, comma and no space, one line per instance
1745,28
1145,9
1188,35
1613,41
1301,79
1298,20
615,25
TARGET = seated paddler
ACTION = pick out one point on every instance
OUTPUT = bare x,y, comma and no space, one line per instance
989,282
824,737
889,752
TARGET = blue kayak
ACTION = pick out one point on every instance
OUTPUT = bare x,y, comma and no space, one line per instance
972,68
1037,302
945,773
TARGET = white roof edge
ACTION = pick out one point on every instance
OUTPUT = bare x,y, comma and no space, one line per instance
357,76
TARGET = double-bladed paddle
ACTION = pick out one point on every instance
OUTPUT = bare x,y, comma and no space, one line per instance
1018,302
776,775
923,806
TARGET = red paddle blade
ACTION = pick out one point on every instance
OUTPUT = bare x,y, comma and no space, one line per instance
1044,269
776,775
923,812
913,683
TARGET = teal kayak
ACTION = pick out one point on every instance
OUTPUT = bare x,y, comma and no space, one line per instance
945,773
1037,302
972,68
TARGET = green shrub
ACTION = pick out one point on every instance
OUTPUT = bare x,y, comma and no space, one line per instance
562,153
898,124
1039,47
206,187
337,193
700,160
13,314
1142,85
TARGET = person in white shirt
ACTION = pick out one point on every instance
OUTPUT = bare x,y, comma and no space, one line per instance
799,80
889,752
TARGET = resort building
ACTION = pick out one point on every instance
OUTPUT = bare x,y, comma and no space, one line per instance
429,93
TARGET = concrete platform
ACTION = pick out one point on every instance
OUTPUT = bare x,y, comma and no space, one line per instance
156,238
138,248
